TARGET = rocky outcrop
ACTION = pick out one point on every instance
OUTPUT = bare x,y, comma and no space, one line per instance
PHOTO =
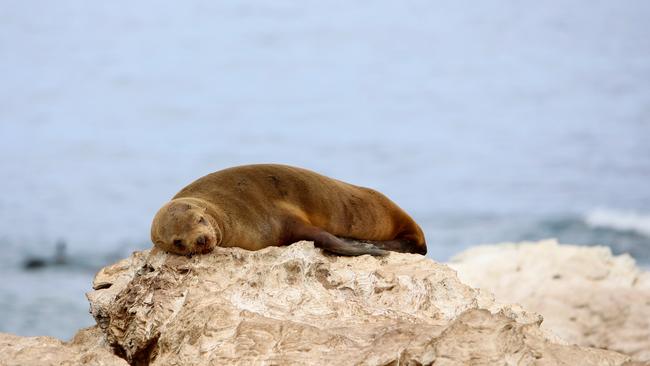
294,305
586,295
86,348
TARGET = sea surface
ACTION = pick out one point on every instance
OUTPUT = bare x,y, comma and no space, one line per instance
487,121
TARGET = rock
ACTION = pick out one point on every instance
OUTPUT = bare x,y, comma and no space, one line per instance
294,305
586,295
86,348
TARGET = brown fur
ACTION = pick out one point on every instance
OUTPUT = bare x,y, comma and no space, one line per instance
256,206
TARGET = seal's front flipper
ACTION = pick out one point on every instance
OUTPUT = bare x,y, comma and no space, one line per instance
324,240
396,245
352,248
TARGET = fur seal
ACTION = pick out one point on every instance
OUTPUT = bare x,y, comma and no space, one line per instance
261,205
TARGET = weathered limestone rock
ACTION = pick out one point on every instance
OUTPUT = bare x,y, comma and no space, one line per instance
87,348
586,295
294,305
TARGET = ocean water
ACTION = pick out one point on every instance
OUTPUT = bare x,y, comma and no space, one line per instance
488,122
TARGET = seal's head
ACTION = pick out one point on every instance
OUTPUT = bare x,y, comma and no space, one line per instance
182,226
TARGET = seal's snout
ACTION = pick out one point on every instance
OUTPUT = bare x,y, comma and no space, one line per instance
202,240
203,244
178,243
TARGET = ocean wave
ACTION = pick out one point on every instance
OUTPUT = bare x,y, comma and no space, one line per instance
619,220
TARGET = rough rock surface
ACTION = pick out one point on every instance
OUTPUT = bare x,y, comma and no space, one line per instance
294,305
586,295
86,348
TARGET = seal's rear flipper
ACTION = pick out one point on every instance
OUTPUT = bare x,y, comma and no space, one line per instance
324,240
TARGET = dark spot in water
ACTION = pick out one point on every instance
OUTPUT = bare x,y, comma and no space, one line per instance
59,259
34,263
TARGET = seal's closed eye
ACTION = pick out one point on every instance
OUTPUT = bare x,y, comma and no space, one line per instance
178,243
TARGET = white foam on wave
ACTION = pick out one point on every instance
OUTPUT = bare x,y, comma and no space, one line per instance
619,220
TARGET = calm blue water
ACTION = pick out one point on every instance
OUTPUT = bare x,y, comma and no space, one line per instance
491,122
